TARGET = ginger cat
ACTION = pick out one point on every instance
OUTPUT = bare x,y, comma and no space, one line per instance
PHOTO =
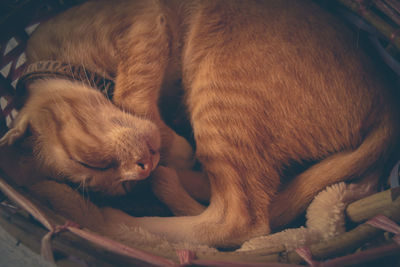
267,84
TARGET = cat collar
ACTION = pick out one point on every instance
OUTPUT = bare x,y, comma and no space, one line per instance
57,69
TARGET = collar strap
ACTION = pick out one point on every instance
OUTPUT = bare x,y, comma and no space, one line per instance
57,69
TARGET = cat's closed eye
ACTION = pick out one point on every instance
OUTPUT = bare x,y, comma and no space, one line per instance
94,166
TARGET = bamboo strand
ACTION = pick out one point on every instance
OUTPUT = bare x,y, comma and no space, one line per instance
119,248
31,234
383,27
388,11
394,4
355,238
25,204
386,203
364,256
368,207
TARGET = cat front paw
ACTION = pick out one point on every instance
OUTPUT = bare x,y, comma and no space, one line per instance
167,186
181,154
16,132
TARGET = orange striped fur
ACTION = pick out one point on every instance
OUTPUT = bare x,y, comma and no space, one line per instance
268,84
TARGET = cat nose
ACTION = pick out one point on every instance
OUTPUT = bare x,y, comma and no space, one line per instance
144,168
141,170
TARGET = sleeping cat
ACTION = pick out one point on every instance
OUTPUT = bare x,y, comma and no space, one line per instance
267,84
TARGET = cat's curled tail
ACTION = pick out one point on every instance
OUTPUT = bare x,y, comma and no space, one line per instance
365,161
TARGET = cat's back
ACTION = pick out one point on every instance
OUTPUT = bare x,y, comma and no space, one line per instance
302,71
88,34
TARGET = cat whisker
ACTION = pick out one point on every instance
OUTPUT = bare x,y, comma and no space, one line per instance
104,84
69,65
85,190
83,184
89,81
80,186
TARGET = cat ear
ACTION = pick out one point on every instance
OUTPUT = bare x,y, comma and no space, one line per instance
17,131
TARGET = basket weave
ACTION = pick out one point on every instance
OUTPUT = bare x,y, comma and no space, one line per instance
378,19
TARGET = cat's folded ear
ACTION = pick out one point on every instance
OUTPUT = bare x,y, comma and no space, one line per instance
17,131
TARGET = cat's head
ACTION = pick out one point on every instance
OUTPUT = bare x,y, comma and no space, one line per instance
79,135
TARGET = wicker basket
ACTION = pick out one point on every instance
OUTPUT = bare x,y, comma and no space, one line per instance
365,245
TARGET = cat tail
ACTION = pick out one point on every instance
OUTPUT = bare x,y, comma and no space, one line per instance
366,160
